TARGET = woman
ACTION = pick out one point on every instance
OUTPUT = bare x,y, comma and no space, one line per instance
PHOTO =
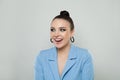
64,61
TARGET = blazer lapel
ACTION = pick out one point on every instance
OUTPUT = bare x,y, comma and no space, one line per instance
71,61
52,59
53,63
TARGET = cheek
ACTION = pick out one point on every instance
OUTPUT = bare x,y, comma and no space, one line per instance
67,35
51,34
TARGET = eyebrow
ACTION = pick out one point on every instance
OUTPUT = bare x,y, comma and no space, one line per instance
51,27
59,27
62,27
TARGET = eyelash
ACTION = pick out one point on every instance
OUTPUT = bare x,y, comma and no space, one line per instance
52,30
62,30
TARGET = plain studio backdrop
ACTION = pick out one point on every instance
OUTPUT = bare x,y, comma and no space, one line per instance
25,27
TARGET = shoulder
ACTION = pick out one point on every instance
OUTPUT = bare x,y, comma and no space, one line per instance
82,52
45,52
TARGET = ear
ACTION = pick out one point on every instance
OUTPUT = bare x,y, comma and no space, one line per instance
72,32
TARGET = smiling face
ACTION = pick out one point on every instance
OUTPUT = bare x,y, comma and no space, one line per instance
61,33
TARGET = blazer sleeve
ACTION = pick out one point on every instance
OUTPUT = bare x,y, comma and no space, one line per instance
87,71
38,69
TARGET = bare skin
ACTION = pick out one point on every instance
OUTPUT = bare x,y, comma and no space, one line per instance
60,35
62,58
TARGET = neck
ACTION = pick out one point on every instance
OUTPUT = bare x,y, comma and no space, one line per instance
64,50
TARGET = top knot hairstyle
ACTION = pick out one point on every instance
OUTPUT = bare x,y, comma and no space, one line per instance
64,13
66,16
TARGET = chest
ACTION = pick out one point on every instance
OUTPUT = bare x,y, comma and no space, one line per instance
64,70
61,65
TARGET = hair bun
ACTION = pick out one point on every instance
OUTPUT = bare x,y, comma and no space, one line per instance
64,13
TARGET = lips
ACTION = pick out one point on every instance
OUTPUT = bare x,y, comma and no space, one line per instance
58,40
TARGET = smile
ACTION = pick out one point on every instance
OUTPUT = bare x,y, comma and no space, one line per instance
58,40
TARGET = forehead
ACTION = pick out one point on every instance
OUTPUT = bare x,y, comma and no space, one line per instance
60,23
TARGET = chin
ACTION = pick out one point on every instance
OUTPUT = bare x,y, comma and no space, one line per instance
61,45
58,46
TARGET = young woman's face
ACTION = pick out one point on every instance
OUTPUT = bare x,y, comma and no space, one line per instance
60,33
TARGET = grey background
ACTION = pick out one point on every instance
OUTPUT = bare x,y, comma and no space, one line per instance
24,31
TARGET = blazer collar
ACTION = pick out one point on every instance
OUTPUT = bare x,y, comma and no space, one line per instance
53,62
72,54
53,54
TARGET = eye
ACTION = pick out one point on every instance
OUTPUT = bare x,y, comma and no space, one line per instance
52,30
62,30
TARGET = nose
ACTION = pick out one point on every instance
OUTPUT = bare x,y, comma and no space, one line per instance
57,33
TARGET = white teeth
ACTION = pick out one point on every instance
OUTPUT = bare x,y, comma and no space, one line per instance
57,39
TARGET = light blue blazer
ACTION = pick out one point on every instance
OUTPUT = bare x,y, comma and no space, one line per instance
78,66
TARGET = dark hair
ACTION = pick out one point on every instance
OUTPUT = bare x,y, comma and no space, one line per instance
65,15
